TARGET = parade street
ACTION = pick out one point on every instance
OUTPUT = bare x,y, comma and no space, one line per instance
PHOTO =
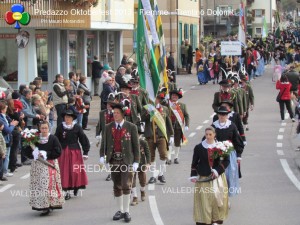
270,183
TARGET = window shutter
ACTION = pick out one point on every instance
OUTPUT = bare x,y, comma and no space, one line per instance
263,12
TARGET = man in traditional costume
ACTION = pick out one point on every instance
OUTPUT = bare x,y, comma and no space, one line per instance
158,133
180,121
120,144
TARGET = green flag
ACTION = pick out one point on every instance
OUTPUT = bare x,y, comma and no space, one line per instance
147,66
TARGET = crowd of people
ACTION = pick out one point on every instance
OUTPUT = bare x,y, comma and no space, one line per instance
132,127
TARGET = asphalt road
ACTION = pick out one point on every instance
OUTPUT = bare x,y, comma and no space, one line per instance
269,191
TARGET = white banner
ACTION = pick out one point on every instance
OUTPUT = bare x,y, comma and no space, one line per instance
231,48
150,19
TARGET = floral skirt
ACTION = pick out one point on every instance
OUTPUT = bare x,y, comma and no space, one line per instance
232,175
206,209
45,186
72,169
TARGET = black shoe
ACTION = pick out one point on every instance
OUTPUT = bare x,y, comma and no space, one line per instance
86,128
162,179
19,165
68,196
118,215
247,128
108,178
176,161
152,180
75,192
27,162
127,217
168,162
45,212
3,179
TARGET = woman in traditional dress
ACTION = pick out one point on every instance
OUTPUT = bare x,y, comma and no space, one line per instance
207,209
227,131
70,134
45,184
202,79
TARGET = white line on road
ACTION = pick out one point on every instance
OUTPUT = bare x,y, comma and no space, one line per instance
206,121
286,115
283,124
6,187
25,176
199,128
212,115
151,187
154,210
280,137
289,173
193,87
192,134
280,152
281,130
279,145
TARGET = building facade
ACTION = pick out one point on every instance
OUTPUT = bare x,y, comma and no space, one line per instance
224,21
63,37
259,11
182,22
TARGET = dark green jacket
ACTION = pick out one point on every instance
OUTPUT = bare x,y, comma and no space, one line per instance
145,152
148,125
130,143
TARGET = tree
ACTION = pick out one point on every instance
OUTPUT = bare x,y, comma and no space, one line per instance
289,5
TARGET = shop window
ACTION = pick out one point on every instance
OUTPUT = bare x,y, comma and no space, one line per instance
91,38
42,54
8,57
73,51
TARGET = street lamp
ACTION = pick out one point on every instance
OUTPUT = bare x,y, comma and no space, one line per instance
215,19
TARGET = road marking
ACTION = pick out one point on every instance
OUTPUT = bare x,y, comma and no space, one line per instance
206,121
154,211
279,145
193,87
212,115
283,124
199,128
280,152
25,176
280,137
6,187
289,173
151,187
281,130
192,134
286,115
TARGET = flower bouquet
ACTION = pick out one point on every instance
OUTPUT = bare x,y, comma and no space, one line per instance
222,150
30,138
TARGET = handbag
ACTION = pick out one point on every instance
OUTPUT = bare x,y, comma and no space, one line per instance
278,98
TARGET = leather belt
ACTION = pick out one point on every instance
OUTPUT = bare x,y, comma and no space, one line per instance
117,156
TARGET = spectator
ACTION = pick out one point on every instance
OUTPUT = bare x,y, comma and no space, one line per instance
284,95
171,65
107,89
80,107
120,74
183,58
124,60
72,77
9,126
86,100
60,97
96,74
16,135
2,152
